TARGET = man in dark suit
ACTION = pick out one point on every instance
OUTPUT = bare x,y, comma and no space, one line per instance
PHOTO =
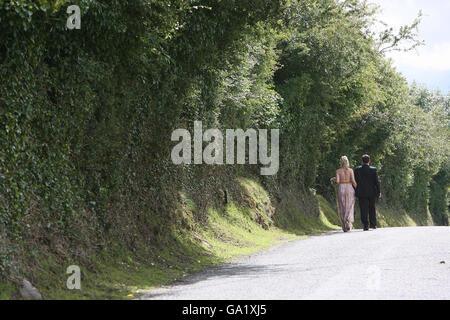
367,190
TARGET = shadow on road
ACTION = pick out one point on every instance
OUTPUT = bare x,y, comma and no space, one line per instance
239,271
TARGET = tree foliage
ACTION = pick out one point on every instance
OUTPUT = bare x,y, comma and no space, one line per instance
86,115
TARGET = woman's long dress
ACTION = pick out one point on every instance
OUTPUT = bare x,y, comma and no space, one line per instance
346,205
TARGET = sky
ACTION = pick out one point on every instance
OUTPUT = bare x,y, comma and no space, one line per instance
429,64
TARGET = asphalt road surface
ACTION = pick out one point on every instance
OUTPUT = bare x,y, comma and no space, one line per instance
391,263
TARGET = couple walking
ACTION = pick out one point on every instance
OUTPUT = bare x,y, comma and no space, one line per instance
363,183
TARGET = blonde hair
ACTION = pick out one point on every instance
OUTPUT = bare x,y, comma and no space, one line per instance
344,162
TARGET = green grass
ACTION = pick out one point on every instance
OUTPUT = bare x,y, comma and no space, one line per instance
235,234
386,217
6,291
116,275
328,214
233,230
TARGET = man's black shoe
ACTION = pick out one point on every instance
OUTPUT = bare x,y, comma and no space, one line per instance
373,228
366,229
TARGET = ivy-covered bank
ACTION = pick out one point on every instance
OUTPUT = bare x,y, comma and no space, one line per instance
248,220
86,118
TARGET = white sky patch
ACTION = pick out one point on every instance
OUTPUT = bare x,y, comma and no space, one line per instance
429,64
432,58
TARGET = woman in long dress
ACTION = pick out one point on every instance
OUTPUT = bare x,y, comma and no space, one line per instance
345,179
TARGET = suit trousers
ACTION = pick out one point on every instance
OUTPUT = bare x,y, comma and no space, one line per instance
368,212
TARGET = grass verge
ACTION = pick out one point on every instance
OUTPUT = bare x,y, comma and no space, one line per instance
235,229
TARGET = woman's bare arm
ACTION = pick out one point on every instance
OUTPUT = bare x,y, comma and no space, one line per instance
352,175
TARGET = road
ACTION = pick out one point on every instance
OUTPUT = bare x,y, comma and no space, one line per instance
391,263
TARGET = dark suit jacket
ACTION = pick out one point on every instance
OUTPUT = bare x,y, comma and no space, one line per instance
368,185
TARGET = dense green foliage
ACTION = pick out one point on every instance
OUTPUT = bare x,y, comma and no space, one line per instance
86,115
